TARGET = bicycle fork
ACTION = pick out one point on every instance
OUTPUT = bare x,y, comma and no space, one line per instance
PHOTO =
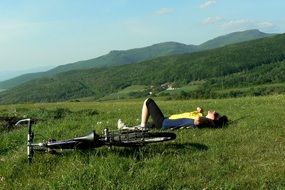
30,138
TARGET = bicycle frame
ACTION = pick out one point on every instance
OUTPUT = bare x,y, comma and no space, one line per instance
93,140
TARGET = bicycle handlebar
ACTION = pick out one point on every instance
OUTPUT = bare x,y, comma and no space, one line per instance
29,123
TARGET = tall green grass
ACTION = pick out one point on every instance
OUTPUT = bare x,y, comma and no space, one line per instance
248,154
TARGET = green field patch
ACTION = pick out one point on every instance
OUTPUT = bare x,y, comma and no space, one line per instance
256,90
179,90
251,87
133,88
132,91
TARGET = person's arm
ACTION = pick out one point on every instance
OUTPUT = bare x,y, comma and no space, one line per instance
200,109
203,121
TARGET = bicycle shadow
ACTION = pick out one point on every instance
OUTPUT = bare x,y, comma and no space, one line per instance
153,150
187,145
136,153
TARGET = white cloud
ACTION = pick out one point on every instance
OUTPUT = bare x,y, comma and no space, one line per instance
238,24
212,20
207,4
265,24
164,11
244,24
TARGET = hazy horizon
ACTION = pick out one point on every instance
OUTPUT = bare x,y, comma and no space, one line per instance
45,34
9,74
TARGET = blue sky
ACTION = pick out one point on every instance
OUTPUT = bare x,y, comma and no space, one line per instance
47,33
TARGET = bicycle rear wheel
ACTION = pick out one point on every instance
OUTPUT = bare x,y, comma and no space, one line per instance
140,138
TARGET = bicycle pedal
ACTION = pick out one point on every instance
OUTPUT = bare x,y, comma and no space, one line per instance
51,140
51,151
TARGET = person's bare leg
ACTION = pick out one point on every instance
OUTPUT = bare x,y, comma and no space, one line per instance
144,119
145,114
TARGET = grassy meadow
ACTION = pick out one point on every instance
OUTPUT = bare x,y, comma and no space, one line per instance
248,154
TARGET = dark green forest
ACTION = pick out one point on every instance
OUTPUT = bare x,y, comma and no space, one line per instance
241,65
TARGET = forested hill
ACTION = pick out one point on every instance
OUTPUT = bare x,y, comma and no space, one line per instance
115,58
258,56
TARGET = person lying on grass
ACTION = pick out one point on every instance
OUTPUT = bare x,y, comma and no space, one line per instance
188,119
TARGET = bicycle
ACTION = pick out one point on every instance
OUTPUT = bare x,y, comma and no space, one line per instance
121,138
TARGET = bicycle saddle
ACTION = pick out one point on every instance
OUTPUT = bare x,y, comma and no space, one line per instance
91,137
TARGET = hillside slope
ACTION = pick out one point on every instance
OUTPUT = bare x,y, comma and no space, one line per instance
206,65
115,58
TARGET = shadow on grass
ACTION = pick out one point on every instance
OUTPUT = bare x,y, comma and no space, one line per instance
236,121
149,151
4,151
137,152
197,146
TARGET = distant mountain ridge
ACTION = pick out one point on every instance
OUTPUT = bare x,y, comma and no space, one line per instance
245,64
122,57
232,38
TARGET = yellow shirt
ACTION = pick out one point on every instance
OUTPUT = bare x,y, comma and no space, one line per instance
188,115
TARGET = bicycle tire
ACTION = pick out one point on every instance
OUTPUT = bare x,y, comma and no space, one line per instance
141,138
